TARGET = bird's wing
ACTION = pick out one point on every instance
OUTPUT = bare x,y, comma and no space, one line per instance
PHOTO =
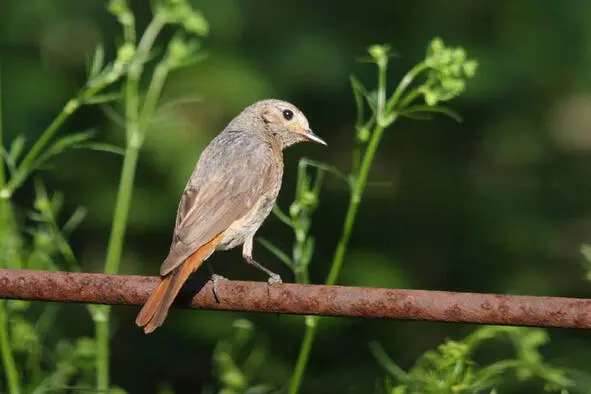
233,173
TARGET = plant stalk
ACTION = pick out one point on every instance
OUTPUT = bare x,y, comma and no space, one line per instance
357,188
304,356
115,248
10,370
354,201
356,192
404,83
135,132
25,165
2,174
339,256
117,235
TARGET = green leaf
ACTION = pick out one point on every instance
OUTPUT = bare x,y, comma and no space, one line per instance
276,251
101,146
426,109
16,148
196,23
189,99
101,98
74,141
386,362
23,334
380,53
85,347
74,221
113,115
372,100
45,322
8,160
19,305
282,216
325,167
308,251
419,115
65,143
586,251
98,61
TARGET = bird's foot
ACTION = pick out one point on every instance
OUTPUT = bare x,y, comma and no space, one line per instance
274,279
215,278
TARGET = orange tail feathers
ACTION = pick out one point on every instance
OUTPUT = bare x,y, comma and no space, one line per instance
156,308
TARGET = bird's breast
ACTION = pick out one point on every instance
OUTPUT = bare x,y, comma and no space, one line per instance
247,226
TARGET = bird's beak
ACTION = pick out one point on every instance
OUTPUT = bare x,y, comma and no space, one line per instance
310,136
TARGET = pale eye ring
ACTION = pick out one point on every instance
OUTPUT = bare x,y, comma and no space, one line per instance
288,114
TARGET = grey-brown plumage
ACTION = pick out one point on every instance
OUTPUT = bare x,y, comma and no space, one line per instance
230,193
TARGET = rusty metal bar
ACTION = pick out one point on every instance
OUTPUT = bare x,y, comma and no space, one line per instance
307,299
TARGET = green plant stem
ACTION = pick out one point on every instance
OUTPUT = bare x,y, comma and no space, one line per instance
154,90
101,329
135,132
305,349
135,136
299,267
12,376
282,216
117,235
2,174
10,370
113,258
354,200
124,195
26,165
147,40
302,276
337,262
404,83
382,70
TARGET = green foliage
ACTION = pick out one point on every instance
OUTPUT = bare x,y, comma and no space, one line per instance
446,69
237,361
48,238
24,337
451,368
100,77
35,359
306,201
41,362
182,50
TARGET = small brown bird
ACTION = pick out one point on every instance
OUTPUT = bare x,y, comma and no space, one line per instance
230,193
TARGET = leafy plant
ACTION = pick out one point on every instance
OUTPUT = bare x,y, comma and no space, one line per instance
451,367
237,360
78,361
26,336
182,50
442,75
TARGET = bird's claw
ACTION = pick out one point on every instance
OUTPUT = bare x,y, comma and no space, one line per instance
215,278
274,279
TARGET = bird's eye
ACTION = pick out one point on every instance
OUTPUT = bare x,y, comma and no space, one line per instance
287,114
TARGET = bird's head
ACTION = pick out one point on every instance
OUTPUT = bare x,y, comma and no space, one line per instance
285,123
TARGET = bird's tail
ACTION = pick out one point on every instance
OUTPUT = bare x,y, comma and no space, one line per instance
156,308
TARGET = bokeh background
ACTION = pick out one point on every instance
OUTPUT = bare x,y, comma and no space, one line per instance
498,203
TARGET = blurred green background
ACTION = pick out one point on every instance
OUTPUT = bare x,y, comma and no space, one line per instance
498,203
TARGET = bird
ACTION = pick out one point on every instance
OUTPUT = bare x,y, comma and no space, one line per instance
231,191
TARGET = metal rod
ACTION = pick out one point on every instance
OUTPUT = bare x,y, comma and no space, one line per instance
306,299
